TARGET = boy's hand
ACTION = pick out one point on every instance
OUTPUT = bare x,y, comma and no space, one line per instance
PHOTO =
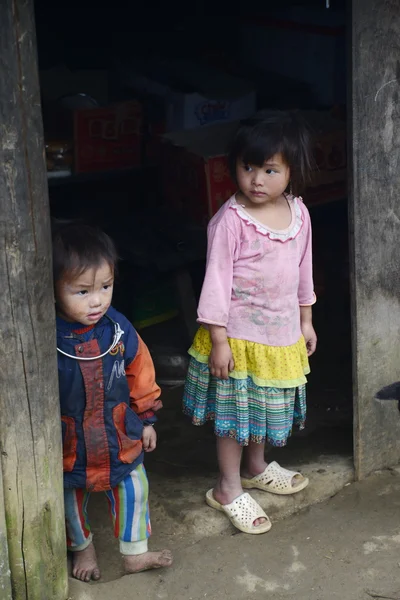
149,438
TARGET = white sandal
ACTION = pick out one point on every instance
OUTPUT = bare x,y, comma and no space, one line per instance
277,480
242,513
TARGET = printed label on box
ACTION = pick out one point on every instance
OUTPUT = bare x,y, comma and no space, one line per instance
108,138
212,111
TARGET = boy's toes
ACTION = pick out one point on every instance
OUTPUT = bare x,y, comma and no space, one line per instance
147,560
85,565
165,559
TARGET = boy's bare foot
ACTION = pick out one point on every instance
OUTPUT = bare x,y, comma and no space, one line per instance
84,564
148,560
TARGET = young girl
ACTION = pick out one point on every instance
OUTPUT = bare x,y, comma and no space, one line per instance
249,359
108,398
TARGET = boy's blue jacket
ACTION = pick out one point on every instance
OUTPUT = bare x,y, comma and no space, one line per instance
104,402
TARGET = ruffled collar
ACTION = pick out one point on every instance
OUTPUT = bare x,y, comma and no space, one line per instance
281,235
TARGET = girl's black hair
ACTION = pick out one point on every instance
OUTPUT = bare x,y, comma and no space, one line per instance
77,247
274,132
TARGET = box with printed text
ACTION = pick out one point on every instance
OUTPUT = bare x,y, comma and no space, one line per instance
193,95
108,138
195,174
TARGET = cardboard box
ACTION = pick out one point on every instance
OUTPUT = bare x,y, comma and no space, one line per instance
108,138
193,95
196,179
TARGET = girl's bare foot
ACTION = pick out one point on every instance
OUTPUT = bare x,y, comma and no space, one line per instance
225,494
250,472
84,564
148,560
229,487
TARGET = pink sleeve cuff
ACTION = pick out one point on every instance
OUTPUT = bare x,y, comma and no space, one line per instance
209,322
309,303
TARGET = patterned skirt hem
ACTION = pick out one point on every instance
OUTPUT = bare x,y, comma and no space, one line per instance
261,382
232,433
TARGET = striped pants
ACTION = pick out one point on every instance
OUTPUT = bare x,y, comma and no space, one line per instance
129,510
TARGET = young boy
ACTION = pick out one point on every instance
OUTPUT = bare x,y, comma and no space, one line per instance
108,397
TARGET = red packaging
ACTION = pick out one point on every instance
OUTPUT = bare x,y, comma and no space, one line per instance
108,138
196,179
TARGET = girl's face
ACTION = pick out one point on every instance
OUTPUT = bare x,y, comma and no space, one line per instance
263,184
86,298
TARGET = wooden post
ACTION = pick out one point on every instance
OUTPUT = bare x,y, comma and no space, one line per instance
5,581
30,439
375,228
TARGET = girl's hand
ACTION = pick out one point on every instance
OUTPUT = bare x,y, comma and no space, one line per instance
310,337
221,360
149,438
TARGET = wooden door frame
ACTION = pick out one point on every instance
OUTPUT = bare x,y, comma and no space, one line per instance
33,551
374,224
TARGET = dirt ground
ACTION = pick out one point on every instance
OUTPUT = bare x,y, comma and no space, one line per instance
346,548
335,540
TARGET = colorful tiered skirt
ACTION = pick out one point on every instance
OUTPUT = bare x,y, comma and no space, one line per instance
264,397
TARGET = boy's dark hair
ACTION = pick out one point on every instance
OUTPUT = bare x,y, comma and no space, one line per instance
77,247
274,132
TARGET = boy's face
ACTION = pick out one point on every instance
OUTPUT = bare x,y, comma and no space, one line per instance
86,298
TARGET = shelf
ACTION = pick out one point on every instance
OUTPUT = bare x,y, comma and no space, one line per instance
77,178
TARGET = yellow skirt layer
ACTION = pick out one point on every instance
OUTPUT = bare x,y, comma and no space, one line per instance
268,366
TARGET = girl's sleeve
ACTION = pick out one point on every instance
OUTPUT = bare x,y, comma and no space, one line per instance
216,293
306,293
144,392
